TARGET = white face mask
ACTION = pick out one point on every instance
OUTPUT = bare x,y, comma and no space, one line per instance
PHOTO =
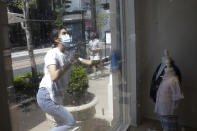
66,40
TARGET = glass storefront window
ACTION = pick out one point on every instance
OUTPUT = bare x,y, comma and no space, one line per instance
93,92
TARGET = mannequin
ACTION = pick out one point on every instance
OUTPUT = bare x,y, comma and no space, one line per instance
158,74
168,96
168,70
163,65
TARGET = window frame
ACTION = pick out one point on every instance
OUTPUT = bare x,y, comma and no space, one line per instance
4,110
120,43
130,107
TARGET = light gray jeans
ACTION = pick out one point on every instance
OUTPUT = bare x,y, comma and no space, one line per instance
63,118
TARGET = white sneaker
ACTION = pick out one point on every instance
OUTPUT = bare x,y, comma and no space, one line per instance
80,59
105,59
93,76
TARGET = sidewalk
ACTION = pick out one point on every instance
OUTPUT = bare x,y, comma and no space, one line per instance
99,87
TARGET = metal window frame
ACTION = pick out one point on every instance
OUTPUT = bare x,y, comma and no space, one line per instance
123,41
129,108
4,110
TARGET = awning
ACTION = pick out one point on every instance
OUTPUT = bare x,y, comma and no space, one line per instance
15,18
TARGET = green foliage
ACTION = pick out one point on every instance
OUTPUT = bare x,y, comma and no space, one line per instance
78,82
24,83
59,21
19,3
102,19
59,12
32,2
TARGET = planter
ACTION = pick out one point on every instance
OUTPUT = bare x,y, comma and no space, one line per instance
82,113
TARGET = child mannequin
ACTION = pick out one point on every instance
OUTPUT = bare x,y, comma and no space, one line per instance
159,73
168,96
168,70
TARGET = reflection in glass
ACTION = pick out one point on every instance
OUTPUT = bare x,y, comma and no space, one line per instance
87,22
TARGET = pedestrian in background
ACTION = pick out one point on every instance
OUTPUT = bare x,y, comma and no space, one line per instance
95,53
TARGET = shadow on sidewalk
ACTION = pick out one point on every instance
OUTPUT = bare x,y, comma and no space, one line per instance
26,117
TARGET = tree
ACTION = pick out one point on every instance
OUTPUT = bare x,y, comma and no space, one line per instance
93,14
60,12
24,5
26,26
102,19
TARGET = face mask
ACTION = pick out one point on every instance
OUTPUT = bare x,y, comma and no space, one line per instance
66,44
66,40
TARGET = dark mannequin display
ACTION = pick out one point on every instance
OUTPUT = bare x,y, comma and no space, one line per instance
158,74
168,97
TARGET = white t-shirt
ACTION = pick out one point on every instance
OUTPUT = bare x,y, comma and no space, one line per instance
93,44
168,95
56,88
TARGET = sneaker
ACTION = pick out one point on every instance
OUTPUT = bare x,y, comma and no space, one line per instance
92,76
105,59
80,59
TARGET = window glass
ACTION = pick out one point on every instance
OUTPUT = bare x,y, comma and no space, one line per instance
49,83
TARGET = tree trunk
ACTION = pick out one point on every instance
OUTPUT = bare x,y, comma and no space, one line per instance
93,15
27,28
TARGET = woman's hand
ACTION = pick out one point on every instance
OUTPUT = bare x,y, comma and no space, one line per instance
96,50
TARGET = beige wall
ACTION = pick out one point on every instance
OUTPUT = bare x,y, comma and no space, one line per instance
172,25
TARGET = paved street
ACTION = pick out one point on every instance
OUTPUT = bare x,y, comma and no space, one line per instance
21,62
